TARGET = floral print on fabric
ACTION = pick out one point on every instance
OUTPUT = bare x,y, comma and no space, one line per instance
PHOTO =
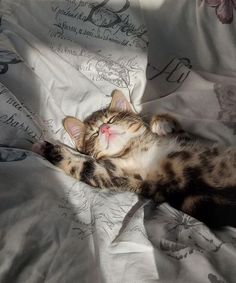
213,279
6,58
185,236
226,95
224,9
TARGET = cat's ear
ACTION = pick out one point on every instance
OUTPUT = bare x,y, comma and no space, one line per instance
76,129
119,102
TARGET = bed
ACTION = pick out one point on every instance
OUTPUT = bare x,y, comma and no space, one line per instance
65,57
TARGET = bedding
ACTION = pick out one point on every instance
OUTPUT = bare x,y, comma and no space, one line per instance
64,57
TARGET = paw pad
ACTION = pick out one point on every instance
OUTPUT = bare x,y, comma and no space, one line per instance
163,128
50,151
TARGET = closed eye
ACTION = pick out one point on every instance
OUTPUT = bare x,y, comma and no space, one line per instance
111,120
94,135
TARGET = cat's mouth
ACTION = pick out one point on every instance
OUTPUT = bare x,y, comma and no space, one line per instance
109,134
111,137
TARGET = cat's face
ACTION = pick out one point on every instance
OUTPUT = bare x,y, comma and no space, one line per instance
107,132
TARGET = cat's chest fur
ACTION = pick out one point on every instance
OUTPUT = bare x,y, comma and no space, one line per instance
145,158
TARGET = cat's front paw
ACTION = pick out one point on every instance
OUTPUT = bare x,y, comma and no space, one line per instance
164,125
53,153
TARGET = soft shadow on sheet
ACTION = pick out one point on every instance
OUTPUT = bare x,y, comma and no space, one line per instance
65,59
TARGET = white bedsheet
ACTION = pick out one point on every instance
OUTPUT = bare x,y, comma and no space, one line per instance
64,57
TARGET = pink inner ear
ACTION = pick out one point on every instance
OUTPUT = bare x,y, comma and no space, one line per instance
121,104
74,131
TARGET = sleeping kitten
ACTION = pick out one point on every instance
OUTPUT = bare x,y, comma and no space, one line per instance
157,161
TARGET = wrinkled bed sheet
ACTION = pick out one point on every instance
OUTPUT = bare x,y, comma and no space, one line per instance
64,57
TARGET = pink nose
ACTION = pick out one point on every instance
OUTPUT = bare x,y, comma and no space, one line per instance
104,128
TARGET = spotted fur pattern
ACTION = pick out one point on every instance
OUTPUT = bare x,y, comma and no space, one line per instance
156,160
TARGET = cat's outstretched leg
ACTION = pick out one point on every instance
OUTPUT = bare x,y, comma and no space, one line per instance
100,174
164,125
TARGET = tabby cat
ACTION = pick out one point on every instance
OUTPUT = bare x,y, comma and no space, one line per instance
157,160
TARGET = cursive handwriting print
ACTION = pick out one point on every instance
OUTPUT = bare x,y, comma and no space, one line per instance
104,21
170,76
93,37
15,118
